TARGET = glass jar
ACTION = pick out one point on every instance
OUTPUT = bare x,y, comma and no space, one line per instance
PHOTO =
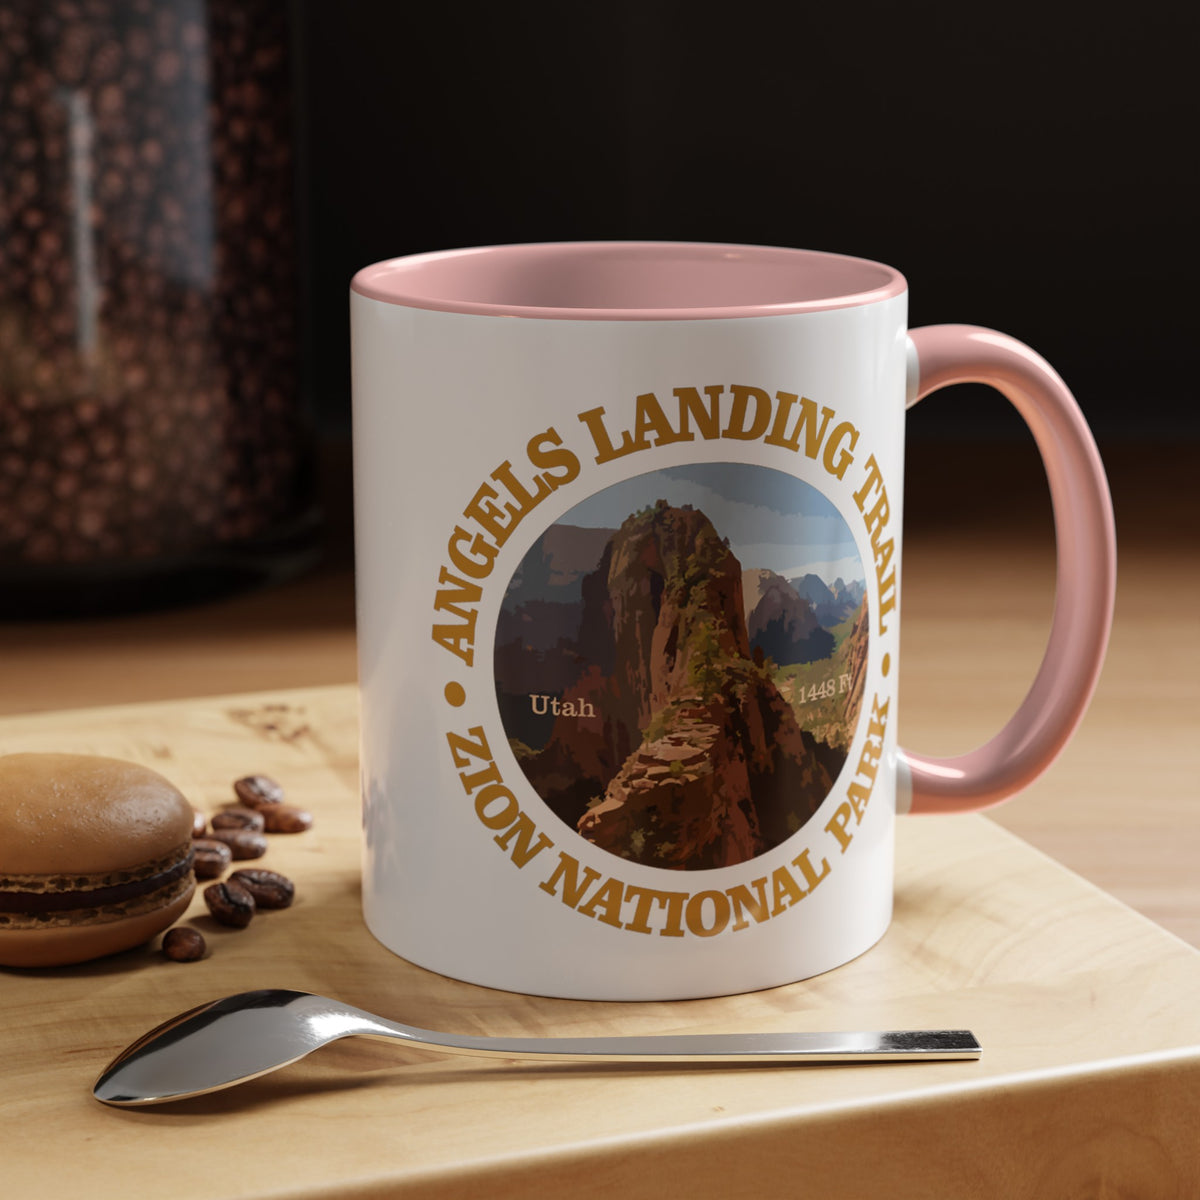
154,447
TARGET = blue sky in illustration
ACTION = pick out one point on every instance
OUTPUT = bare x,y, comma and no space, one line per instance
773,520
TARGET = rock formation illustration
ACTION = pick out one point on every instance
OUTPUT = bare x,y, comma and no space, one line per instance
691,757
782,622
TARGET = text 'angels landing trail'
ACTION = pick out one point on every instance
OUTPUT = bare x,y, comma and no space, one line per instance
680,695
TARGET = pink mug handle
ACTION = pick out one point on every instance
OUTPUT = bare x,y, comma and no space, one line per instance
1085,579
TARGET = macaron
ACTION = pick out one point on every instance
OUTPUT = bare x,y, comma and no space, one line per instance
95,857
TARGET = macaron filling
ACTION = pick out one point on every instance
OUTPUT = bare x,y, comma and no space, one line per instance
34,901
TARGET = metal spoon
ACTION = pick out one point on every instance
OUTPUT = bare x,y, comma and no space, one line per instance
241,1037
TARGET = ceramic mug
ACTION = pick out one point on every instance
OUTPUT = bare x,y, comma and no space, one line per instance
628,524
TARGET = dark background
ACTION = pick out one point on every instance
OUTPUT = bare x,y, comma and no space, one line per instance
1026,166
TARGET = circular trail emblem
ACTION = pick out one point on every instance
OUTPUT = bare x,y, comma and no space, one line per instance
680,660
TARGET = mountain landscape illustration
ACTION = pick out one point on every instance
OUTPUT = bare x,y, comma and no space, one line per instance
833,602
673,705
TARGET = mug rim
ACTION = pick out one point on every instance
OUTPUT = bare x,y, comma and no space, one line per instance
628,281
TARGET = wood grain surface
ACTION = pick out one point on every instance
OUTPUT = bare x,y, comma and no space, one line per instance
1088,1086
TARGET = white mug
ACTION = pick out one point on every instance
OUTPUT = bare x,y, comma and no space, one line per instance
628,525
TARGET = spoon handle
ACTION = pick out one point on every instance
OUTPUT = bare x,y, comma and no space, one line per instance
761,1048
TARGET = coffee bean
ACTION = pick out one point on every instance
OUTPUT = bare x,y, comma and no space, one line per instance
183,944
199,824
239,818
286,818
210,857
258,791
242,843
269,888
230,904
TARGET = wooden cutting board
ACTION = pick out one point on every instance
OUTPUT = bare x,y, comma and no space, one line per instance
1089,1084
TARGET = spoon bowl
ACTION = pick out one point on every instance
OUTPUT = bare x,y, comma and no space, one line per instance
241,1037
